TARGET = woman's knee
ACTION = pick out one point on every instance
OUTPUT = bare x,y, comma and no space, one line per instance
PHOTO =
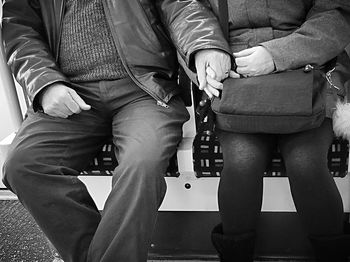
246,164
245,154
306,153
306,163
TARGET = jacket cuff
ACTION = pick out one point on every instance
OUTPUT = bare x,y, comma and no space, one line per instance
191,53
282,59
34,97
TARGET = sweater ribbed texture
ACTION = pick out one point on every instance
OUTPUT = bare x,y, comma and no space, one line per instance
87,50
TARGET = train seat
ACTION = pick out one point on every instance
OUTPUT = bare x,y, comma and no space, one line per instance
192,180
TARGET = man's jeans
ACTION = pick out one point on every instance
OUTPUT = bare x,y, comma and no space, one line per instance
48,153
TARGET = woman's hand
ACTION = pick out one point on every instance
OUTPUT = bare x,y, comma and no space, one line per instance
254,61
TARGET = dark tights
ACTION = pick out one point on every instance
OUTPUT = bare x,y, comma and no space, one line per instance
314,192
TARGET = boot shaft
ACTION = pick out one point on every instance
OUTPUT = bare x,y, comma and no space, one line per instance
331,249
236,248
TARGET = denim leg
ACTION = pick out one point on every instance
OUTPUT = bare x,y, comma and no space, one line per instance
146,136
42,168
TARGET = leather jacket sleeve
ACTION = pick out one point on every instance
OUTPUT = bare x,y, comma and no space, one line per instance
323,35
192,26
27,52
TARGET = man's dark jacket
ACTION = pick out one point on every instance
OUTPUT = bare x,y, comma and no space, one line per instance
31,31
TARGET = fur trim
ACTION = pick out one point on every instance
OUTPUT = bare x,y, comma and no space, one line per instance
341,120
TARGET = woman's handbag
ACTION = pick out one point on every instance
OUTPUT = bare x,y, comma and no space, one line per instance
285,102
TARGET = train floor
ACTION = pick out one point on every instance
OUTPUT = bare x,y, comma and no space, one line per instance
22,241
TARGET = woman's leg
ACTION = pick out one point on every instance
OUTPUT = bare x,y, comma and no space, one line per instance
240,194
246,157
314,191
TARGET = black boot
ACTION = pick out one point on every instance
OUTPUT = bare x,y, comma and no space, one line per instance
331,249
236,248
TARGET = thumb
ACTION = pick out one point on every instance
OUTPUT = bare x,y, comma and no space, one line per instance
201,74
233,74
245,52
79,100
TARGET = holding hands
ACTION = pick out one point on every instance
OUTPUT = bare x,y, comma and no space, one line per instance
213,66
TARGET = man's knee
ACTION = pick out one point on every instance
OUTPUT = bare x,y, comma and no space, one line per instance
142,175
14,168
152,154
147,164
150,163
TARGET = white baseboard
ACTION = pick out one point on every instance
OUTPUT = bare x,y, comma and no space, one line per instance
188,193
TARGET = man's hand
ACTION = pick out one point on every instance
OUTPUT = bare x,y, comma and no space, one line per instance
254,61
215,62
58,100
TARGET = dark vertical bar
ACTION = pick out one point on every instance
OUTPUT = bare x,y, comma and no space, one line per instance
220,9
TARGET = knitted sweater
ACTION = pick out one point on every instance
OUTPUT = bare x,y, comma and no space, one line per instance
87,50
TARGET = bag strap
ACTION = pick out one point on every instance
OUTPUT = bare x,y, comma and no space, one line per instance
220,8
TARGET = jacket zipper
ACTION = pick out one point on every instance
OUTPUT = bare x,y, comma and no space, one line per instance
60,29
160,102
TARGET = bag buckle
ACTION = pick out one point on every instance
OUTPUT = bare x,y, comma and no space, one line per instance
308,68
329,78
